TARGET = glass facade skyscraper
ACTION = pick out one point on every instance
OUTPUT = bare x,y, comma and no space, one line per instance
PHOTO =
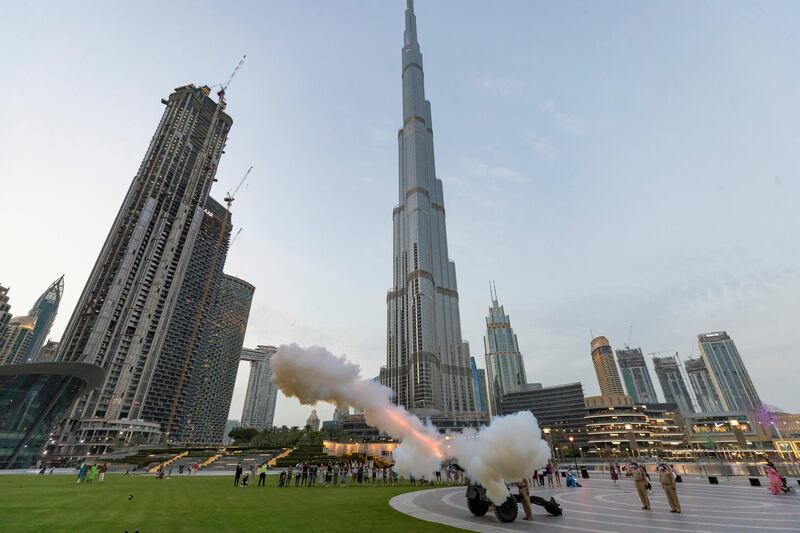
505,369
424,364
479,387
728,374
44,310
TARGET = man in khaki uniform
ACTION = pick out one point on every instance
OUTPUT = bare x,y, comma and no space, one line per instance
525,496
640,480
667,479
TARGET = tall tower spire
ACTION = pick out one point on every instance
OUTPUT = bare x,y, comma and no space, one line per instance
426,365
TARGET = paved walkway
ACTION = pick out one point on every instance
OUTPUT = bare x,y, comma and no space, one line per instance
601,507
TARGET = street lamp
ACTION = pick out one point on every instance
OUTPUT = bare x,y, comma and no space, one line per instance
572,441
549,438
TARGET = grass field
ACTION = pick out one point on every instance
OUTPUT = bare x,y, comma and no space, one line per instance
197,503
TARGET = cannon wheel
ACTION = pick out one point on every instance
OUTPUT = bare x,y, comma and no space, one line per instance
477,506
508,511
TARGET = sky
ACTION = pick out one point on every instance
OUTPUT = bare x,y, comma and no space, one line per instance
616,167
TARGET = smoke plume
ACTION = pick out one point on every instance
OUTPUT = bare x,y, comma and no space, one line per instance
509,449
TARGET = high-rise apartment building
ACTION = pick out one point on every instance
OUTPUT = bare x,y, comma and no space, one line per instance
424,364
606,368
123,314
262,394
172,393
672,383
505,369
219,362
5,311
635,375
728,374
44,310
16,339
706,396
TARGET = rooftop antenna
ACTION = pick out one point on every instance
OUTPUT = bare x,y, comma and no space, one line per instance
591,334
630,332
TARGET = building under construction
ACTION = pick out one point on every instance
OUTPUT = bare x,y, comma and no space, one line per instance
144,286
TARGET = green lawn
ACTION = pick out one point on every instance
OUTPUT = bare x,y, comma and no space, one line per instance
196,503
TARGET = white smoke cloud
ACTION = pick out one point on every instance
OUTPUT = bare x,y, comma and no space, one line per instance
509,449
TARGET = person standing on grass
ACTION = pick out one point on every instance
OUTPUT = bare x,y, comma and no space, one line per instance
238,475
102,475
667,478
262,476
92,474
288,476
81,473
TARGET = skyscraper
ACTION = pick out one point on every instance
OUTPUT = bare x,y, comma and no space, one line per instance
634,372
5,311
707,399
672,383
259,401
16,339
123,313
505,369
479,391
219,362
605,367
424,364
313,421
44,310
728,374
172,391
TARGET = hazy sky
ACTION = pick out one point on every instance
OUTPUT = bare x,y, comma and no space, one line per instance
607,163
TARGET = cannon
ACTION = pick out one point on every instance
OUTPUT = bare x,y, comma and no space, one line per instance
479,504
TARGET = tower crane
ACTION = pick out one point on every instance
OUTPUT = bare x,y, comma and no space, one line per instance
224,86
231,196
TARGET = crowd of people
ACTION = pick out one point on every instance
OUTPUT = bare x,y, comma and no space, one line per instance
88,473
338,474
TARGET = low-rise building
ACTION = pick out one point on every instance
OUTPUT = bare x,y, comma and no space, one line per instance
559,409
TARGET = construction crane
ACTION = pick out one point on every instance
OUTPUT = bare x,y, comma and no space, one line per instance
231,196
221,92
234,238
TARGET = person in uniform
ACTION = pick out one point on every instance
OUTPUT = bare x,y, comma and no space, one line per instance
640,480
262,475
667,479
525,496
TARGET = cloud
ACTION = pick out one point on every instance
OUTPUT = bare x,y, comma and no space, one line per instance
493,174
542,146
521,91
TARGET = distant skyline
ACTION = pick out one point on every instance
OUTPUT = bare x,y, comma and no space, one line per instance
608,164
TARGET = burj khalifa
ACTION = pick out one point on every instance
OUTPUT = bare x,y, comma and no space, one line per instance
426,366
